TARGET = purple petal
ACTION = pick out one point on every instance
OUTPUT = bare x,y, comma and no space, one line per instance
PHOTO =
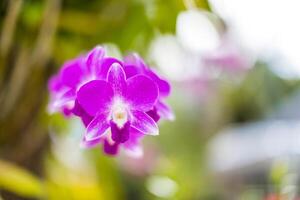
116,78
54,84
132,146
134,64
120,135
78,111
164,110
91,143
136,60
86,119
135,151
62,100
93,59
163,86
153,114
110,148
95,96
71,73
144,123
105,65
97,127
131,70
142,92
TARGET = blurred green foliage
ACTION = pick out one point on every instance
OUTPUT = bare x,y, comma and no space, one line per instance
20,181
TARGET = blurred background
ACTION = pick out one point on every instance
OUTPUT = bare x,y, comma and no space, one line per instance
234,67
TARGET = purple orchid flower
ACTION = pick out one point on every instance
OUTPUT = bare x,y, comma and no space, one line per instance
119,105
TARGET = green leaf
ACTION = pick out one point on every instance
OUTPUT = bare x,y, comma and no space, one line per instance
20,181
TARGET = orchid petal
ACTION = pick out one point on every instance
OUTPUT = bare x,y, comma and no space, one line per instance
97,127
95,96
134,64
72,73
131,70
105,65
164,111
90,143
132,147
136,60
117,79
142,92
154,114
86,119
61,100
93,58
78,111
144,123
163,86
134,151
54,84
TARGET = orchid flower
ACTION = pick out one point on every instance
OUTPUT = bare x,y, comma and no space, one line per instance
118,102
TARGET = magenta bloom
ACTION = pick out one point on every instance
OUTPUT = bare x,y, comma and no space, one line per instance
118,102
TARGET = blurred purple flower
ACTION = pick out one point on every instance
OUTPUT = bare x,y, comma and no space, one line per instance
227,57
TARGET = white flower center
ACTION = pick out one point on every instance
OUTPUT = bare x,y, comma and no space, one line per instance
119,113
